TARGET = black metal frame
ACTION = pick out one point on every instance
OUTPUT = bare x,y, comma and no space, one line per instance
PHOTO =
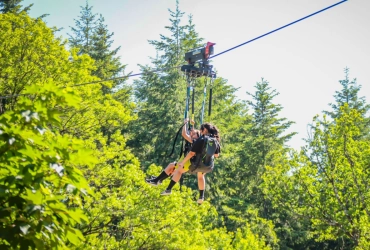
199,56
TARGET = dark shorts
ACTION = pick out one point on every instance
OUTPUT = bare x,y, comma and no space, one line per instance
200,168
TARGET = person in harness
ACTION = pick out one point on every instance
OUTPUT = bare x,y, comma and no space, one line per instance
201,156
191,136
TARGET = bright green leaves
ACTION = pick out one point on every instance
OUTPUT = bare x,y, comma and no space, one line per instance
31,56
327,182
38,168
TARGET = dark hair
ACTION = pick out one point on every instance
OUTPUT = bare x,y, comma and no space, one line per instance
216,133
212,130
207,126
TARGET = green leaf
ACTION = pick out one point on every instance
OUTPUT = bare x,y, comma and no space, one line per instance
33,196
72,236
3,191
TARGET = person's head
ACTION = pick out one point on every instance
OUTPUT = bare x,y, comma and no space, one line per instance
194,134
205,128
210,129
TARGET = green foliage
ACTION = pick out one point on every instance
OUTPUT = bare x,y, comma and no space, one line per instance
258,197
40,184
106,60
92,37
31,55
84,120
161,97
253,142
126,213
13,6
246,240
82,34
329,181
349,95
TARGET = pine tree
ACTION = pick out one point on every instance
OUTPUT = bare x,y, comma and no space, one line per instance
13,6
91,36
349,94
263,142
161,96
82,33
267,126
266,136
107,62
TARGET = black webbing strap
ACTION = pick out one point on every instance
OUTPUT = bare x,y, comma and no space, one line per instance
174,141
204,101
192,107
210,103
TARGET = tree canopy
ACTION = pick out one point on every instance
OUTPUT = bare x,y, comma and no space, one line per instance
74,156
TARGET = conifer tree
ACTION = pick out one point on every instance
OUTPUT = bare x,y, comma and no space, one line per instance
107,62
267,136
92,37
161,96
349,94
263,139
82,33
13,6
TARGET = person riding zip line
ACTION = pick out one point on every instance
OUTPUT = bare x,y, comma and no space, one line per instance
191,136
196,156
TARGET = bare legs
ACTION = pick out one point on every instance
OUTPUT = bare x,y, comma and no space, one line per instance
201,181
170,168
163,175
201,186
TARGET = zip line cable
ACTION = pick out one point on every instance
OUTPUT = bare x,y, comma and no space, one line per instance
223,52
100,81
123,77
282,27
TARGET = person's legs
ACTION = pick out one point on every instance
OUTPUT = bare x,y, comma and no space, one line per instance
175,178
170,168
201,186
163,175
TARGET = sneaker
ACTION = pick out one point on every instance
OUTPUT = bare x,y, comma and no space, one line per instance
151,182
166,192
152,177
200,200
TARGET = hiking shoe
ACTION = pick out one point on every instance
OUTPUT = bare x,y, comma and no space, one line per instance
152,182
200,200
151,178
166,192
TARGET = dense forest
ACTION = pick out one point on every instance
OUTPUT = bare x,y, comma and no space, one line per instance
75,150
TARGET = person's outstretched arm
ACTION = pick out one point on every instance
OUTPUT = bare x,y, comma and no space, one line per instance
184,132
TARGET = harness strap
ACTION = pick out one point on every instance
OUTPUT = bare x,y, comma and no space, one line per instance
192,106
210,101
185,148
174,142
210,105
204,101
187,98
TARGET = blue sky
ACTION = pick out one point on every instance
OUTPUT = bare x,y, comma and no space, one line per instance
303,62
